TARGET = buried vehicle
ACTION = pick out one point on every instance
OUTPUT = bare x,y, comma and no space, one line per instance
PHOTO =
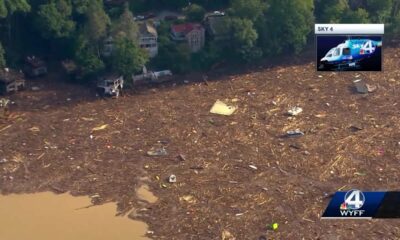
11,81
152,77
34,67
110,85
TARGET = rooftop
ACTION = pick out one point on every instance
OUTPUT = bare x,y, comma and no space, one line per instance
186,27
147,28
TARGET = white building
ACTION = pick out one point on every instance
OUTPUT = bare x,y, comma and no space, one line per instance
148,38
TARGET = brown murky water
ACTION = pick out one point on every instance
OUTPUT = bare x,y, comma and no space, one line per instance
46,216
144,193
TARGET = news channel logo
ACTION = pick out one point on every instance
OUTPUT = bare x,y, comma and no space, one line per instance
353,202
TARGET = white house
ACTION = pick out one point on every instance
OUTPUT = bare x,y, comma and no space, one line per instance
148,38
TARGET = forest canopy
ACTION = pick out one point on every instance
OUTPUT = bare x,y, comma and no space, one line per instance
255,29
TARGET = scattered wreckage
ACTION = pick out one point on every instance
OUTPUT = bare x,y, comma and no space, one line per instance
151,77
110,85
4,106
73,71
34,67
11,81
4,102
360,86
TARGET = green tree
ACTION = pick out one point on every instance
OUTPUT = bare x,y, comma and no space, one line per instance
207,57
394,26
128,57
54,19
379,10
97,21
195,13
249,54
244,39
358,16
10,6
395,9
173,4
249,9
355,4
331,11
212,4
2,58
172,56
87,58
243,32
246,15
125,26
287,26
181,59
81,6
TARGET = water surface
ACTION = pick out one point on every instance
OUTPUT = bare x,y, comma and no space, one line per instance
47,216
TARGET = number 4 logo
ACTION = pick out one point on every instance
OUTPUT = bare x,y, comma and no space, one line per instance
367,48
354,199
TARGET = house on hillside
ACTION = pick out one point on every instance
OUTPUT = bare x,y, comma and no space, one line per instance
191,33
148,38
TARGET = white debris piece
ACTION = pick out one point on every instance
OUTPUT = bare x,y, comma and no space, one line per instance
221,108
294,133
253,167
172,178
294,111
362,87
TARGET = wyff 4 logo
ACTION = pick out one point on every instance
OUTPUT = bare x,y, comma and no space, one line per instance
353,201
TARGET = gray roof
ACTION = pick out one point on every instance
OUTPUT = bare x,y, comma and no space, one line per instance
146,28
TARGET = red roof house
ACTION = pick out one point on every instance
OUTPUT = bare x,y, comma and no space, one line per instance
192,33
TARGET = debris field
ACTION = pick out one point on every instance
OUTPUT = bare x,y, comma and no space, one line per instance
236,175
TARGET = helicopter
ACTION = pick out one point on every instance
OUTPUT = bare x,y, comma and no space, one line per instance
349,54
